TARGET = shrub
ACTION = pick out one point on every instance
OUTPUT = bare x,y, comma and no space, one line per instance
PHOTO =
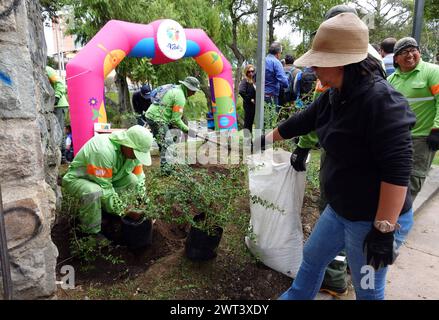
215,192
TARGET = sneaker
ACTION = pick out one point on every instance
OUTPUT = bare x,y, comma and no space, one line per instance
334,291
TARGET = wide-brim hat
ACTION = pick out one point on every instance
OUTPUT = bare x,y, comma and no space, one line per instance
191,83
139,139
339,41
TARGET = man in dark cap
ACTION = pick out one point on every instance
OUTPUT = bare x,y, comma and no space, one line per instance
341,8
141,102
418,81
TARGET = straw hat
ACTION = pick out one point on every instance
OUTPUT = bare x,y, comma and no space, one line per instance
339,41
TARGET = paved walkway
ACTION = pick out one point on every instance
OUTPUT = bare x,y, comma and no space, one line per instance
415,274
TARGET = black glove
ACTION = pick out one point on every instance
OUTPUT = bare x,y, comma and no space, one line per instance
433,140
379,248
258,144
56,101
298,158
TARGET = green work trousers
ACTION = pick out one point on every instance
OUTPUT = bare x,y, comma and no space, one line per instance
90,199
422,160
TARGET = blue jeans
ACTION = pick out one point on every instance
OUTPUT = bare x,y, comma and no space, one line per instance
331,234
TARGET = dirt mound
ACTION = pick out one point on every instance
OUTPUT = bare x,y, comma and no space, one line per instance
161,270
116,262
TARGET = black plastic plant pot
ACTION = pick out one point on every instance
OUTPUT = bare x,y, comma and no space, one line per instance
201,246
136,234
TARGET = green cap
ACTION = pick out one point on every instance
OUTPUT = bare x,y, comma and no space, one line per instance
139,139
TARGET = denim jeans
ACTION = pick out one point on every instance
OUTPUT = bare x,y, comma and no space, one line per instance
331,234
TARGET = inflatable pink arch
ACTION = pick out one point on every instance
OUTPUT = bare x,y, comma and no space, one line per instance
163,41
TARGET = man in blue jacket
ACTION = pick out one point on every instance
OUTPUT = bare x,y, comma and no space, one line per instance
275,76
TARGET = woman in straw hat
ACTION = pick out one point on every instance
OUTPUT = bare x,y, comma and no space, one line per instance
364,126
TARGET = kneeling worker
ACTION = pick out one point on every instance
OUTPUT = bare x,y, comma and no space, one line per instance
105,166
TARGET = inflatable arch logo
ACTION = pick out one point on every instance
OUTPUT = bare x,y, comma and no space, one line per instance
163,41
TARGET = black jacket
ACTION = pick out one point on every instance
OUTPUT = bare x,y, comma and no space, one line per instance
365,131
247,92
140,104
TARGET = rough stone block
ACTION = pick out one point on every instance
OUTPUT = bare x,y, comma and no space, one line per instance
20,150
7,15
31,250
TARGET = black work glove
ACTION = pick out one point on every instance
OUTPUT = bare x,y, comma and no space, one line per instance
258,144
433,140
379,248
298,158
56,101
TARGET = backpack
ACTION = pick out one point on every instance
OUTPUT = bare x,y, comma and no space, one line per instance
289,91
303,84
286,95
158,93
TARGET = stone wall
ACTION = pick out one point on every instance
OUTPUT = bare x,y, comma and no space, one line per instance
29,158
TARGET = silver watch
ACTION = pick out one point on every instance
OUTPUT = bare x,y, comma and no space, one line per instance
385,226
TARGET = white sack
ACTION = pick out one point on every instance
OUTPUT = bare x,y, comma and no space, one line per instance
278,239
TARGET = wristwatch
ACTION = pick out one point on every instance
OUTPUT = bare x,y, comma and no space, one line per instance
385,226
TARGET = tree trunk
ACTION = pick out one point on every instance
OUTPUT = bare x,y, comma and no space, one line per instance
206,91
124,94
238,77
270,23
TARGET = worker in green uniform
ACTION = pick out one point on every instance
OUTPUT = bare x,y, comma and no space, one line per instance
61,103
418,81
166,110
105,166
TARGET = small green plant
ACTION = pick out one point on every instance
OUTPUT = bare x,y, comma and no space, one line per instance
87,249
125,120
216,192
135,200
313,170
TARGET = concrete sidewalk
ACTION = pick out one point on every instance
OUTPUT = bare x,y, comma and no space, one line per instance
415,274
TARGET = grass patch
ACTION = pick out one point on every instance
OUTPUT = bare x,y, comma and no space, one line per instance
312,172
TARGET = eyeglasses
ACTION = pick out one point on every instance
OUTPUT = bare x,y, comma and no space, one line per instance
251,71
407,51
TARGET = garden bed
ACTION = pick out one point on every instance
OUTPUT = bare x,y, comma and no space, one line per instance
161,271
